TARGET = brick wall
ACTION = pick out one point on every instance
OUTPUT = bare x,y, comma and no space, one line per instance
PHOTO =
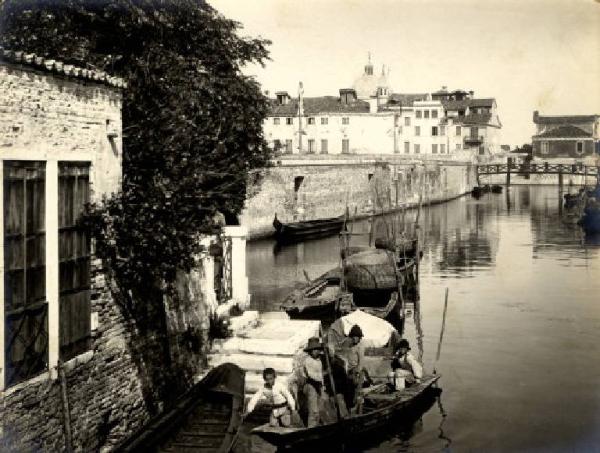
139,359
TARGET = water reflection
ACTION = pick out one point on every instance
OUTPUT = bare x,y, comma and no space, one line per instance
521,340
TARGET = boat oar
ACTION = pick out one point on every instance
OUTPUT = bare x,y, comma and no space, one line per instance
306,276
439,349
236,435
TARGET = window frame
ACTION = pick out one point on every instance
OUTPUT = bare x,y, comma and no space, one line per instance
40,306
289,121
434,131
545,147
417,131
276,121
418,114
458,131
417,148
324,121
311,121
345,146
324,149
577,144
407,120
345,120
406,147
426,114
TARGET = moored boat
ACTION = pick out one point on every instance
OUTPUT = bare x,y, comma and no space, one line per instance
496,188
380,407
372,276
206,418
322,298
298,231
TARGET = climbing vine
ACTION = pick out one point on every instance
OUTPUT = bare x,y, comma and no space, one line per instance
192,121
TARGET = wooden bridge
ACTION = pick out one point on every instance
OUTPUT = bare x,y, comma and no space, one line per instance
538,168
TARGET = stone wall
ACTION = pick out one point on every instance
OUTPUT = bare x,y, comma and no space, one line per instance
144,349
318,188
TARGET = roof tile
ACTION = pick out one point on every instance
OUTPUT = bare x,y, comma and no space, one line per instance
567,131
59,67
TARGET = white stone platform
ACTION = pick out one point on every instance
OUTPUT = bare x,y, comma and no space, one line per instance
265,340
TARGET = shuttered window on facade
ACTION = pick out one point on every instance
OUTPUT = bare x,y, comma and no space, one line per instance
25,305
74,258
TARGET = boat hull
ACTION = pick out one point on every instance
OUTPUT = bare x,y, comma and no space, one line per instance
299,231
381,411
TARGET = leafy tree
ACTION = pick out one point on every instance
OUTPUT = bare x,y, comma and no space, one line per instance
192,136
192,121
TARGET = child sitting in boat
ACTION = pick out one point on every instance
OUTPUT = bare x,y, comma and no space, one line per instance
405,368
280,398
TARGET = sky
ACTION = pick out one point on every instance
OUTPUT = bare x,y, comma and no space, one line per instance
528,54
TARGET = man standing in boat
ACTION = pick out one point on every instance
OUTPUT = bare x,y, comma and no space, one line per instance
280,398
352,354
313,380
405,368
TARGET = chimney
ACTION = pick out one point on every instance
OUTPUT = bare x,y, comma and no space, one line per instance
347,95
536,116
444,88
471,94
283,97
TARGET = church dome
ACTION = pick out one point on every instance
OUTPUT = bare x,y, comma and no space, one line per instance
367,85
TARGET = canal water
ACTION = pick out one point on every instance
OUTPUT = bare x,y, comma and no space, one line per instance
520,357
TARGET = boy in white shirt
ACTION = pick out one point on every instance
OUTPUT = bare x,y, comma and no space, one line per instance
280,398
405,368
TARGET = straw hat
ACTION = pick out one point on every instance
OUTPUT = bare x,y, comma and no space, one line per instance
313,343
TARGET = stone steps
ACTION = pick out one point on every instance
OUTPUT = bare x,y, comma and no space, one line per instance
263,340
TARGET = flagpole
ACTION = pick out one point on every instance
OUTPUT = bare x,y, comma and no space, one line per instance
300,112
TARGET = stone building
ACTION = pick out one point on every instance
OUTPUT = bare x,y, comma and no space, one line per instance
77,369
568,137
370,118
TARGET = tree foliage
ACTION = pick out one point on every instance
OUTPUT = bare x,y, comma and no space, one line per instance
192,121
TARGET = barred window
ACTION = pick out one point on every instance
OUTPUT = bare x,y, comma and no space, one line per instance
25,305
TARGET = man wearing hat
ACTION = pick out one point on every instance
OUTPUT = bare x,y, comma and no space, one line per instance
405,368
352,354
313,380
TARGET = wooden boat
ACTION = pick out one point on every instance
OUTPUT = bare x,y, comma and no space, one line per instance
496,188
478,191
206,418
380,407
322,298
371,276
298,231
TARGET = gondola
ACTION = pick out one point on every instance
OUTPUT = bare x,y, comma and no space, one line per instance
380,407
299,231
206,418
323,299
496,188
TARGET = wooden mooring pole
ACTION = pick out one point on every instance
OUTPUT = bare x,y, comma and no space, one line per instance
508,164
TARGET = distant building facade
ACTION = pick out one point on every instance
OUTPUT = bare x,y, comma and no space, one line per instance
370,118
570,137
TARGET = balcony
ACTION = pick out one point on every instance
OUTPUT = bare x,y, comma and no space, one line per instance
474,140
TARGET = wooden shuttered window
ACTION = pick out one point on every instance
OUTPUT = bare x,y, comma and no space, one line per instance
25,306
74,258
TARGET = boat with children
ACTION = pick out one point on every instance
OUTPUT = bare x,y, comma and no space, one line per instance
365,380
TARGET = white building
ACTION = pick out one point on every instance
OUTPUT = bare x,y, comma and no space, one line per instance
370,119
